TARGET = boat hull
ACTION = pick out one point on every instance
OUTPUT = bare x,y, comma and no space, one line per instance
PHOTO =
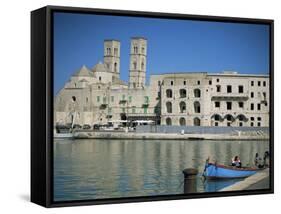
214,171
63,135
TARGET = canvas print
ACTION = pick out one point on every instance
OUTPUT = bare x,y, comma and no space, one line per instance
148,107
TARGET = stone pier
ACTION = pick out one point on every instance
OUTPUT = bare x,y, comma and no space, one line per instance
260,180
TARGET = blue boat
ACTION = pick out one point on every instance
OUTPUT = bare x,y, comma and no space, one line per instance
217,171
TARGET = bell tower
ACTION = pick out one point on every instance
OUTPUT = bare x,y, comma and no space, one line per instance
138,62
111,57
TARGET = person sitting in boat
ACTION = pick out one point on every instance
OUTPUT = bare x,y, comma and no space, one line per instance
236,162
256,159
266,159
260,163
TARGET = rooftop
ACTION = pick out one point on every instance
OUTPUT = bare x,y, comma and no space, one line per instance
84,72
224,73
110,40
138,37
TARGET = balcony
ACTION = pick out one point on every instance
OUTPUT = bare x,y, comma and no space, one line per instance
230,96
140,114
123,101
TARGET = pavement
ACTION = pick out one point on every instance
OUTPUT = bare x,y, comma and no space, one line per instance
263,184
260,180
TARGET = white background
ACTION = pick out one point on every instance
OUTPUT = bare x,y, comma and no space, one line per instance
15,106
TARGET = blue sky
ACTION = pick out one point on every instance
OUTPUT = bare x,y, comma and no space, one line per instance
173,45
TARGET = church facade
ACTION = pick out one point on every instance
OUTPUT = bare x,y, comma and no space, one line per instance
98,95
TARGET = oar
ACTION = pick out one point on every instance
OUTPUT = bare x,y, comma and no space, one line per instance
206,164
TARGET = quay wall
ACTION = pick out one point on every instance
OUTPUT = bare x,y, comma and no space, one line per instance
165,136
202,129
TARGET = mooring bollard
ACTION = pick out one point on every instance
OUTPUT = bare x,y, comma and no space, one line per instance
190,183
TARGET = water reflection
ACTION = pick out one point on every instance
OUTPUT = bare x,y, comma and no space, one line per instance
92,169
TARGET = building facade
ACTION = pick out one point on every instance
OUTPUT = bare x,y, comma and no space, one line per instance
98,95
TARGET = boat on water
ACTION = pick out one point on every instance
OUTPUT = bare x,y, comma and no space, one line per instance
218,171
63,135
66,132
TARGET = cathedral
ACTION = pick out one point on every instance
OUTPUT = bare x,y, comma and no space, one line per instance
97,95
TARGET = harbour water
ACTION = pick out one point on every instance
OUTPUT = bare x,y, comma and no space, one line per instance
96,168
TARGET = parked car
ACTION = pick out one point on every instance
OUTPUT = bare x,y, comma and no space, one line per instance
96,126
77,126
86,126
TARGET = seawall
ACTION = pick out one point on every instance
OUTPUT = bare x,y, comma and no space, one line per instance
166,136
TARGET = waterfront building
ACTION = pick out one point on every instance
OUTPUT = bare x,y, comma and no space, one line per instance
98,95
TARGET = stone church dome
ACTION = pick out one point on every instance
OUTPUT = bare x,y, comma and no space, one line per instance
100,67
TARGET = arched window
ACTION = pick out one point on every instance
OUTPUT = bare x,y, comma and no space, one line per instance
142,66
108,51
217,117
115,51
182,93
196,121
142,50
135,49
169,93
115,67
182,107
182,121
169,107
197,92
229,117
197,107
241,117
135,65
168,121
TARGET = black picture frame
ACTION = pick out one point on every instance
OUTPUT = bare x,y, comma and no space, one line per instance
42,104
